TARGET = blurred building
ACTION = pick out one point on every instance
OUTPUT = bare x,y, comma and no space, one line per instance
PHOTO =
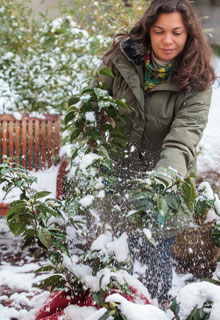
209,13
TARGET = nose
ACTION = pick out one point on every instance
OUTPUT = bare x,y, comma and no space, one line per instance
168,39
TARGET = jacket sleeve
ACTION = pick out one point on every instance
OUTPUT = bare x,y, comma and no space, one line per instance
179,146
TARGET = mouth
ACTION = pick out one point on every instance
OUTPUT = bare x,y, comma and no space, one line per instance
167,51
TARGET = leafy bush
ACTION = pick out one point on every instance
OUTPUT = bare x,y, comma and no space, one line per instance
106,17
42,63
77,235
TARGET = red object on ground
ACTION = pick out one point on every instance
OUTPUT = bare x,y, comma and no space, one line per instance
59,300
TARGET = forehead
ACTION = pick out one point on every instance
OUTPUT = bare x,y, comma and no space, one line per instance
169,20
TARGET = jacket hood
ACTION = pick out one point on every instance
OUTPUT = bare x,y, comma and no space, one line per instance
134,50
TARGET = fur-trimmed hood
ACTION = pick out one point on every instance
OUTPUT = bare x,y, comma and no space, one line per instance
134,50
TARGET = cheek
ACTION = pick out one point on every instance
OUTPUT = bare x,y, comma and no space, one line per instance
182,42
154,42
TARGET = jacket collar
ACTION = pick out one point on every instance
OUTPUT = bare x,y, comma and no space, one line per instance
134,50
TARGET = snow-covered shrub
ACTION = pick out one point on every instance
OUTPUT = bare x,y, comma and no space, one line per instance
42,62
106,18
86,245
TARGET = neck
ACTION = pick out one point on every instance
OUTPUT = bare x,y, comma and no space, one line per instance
159,63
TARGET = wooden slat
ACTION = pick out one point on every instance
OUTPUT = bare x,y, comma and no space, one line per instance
11,139
24,142
15,142
17,139
36,143
56,136
49,143
4,138
30,144
43,144
3,209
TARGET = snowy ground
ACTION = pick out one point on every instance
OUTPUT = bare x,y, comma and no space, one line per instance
208,159
19,296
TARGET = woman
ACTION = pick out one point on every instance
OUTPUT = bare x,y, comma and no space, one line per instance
162,68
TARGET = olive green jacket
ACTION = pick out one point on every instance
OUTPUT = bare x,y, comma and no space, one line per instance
167,125
170,122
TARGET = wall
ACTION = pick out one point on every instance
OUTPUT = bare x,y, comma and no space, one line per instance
210,17
50,5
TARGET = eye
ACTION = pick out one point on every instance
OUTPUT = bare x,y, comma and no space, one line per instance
158,32
177,34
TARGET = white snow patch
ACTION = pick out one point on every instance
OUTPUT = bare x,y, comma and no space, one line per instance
87,201
196,294
134,311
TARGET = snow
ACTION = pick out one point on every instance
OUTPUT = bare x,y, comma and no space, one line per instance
119,247
196,294
209,147
87,201
18,278
46,181
101,241
87,160
90,116
80,313
137,311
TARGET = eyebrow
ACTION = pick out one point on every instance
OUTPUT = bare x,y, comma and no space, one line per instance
176,28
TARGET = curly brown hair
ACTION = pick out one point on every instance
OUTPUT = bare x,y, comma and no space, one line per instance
192,69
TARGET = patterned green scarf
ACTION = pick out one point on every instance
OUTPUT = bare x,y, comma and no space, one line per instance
152,76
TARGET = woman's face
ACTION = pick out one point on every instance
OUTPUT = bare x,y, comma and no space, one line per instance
168,36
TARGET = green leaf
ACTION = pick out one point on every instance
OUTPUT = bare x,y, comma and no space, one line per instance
189,193
19,183
45,268
144,195
201,207
17,226
122,104
45,209
17,209
103,151
103,104
69,117
4,171
215,233
45,237
73,100
93,133
106,72
145,204
55,257
100,93
173,200
74,153
162,206
162,180
55,281
75,134
216,282
87,90
30,233
41,194
175,308
121,317
37,252
16,203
